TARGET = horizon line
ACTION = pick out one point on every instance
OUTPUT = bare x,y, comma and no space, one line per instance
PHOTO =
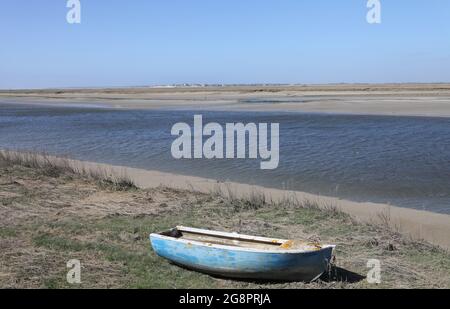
224,85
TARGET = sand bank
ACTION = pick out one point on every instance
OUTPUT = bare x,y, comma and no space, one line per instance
391,99
432,227
429,226
49,215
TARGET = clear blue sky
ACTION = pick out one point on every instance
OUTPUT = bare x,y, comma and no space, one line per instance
147,42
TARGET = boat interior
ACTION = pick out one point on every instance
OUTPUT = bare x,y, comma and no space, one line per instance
237,240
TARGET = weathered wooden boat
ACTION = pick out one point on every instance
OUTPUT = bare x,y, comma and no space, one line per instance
242,256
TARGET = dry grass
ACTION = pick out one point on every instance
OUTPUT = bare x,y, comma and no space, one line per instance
48,217
56,166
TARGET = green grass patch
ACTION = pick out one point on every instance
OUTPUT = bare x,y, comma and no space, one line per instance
58,243
8,232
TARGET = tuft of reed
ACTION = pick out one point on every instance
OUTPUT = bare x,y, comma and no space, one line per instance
257,199
55,167
47,165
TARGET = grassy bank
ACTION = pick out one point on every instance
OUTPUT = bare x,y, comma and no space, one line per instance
51,213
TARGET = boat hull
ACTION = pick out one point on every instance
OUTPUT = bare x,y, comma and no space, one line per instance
244,263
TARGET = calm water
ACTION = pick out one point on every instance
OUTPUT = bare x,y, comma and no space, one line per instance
403,161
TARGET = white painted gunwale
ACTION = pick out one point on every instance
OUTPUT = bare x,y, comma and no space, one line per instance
234,235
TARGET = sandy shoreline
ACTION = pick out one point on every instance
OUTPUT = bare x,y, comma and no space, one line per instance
429,226
52,212
418,224
431,100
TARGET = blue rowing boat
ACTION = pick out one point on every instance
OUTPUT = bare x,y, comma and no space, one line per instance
242,256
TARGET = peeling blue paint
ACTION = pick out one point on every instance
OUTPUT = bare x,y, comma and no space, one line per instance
229,261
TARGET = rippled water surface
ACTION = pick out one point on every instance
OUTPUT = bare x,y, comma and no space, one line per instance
403,161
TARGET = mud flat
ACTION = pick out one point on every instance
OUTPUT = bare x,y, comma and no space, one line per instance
385,99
